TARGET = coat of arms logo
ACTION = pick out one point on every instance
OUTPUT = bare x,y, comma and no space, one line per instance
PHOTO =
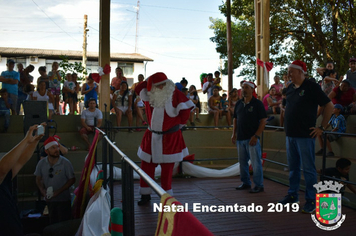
328,205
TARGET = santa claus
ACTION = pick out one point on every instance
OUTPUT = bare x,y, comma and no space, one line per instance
167,110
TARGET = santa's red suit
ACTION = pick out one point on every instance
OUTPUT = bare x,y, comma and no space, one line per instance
163,142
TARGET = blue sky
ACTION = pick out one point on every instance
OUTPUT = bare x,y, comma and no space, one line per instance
175,34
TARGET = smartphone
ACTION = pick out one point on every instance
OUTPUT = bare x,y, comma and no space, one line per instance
40,130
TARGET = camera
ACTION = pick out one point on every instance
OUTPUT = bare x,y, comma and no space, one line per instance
40,130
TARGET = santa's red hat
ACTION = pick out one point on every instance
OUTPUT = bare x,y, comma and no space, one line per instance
50,142
249,83
156,79
299,65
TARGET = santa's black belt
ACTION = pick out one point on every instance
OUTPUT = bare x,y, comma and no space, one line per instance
171,130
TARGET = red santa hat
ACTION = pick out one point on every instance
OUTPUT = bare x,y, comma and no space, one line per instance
249,83
156,79
299,65
50,142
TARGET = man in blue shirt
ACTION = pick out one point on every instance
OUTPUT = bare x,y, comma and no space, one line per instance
10,84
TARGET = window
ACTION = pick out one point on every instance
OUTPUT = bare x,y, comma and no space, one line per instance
127,69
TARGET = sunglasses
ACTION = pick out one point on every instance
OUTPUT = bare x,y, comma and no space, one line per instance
50,172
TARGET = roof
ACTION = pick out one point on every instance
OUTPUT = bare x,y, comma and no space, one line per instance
55,54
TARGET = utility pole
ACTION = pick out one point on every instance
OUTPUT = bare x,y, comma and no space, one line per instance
137,11
229,44
84,63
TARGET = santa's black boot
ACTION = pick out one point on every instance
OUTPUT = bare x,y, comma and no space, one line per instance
144,200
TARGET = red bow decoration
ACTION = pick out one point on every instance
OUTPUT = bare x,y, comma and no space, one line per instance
107,69
96,77
269,65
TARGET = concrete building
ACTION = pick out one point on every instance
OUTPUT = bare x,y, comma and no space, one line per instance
132,64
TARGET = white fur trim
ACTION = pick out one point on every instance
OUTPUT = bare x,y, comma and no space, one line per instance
143,95
249,84
174,111
50,144
162,82
162,158
297,67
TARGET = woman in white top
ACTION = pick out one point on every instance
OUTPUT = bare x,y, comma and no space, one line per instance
42,94
122,103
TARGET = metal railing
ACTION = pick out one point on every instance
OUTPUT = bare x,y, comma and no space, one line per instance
127,168
325,133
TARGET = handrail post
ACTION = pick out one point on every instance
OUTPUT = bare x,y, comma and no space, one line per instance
128,209
104,162
111,177
324,153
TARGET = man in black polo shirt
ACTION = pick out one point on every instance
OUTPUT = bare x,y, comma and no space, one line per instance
303,98
249,122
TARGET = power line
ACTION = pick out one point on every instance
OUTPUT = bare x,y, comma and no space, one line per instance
160,54
53,21
37,31
174,8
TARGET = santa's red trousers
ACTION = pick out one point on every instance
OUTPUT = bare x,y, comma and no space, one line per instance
166,174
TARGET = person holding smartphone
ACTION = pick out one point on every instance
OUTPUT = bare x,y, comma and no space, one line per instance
10,165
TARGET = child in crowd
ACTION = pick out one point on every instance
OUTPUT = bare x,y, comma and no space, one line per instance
75,94
42,94
224,103
19,67
338,124
69,92
340,171
112,90
55,84
139,107
217,79
44,76
282,107
29,89
193,95
185,91
5,104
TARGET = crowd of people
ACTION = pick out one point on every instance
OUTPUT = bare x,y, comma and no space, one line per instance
168,107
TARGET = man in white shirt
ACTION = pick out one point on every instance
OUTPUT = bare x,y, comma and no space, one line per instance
88,121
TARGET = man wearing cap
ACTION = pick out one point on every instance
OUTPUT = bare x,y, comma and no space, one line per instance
351,74
248,124
63,150
54,177
302,100
9,81
167,111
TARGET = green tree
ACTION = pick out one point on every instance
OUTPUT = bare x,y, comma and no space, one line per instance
314,31
68,67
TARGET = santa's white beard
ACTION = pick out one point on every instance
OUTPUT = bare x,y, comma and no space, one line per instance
159,97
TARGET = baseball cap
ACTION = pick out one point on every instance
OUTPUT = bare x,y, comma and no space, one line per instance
10,61
338,106
352,59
